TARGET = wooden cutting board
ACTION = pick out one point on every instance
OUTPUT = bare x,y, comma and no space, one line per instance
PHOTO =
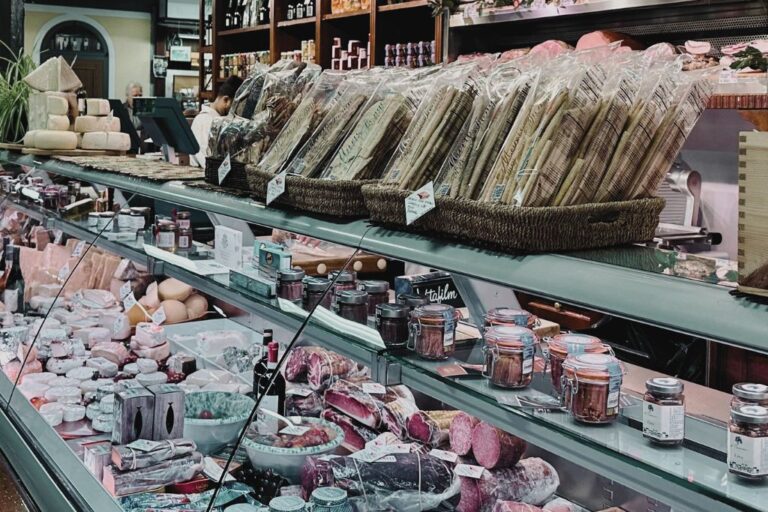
70,152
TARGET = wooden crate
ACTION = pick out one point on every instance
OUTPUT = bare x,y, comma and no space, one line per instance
753,213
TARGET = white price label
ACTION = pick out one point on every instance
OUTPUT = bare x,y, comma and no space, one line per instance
444,455
367,455
469,471
158,317
129,301
419,203
119,325
374,388
57,236
145,445
276,187
125,289
79,248
295,430
64,272
224,169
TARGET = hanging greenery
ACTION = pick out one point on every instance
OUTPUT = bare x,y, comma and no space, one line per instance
14,94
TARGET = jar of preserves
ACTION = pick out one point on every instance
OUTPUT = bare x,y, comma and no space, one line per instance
315,293
142,217
344,280
93,219
106,220
166,236
353,305
290,285
509,352
509,316
433,331
592,387
748,442
746,393
392,324
330,499
564,345
124,221
183,220
287,504
412,300
184,240
378,293
664,411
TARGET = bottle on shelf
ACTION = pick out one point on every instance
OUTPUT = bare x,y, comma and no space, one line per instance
290,13
309,8
228,16
264,13
273,397
299,9
13,281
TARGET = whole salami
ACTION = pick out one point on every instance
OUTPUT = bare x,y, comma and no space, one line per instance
460,433
395,414
514,506
495,449
532,481
430,427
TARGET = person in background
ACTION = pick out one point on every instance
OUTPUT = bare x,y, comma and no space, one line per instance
132,90
201,126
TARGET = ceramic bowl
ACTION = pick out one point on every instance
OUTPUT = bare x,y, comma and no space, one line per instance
289,461
230,412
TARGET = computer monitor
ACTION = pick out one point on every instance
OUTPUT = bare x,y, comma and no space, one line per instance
163,121
126,124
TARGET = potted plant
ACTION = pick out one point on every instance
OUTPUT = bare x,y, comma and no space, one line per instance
14,93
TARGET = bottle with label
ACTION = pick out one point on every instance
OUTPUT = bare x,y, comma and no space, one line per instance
228,15
299,9
290,12
13,281
264,13
260,365
274,395
748,442
664,411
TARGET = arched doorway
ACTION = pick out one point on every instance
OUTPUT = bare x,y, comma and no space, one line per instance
82,44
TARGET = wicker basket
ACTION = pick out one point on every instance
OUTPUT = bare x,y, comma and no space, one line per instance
522,229
327,197
236,178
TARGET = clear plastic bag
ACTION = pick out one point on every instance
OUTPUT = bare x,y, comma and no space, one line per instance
249,92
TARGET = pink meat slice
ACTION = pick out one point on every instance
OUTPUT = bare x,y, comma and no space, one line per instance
605,37
493,448
460,433
551,49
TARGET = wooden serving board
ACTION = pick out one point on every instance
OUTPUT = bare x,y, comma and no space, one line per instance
753,213
11,147
70,152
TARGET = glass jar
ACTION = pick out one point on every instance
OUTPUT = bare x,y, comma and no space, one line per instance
346,280
51,200
564,345
93,220
392,324
330,499
353,305
73,189
142,217
412,300
166,236
664,411
433,331
287,504
592,387
184,240
124,221
378,293
106,220
509,352
509,316
748,442
184,219
746,393
314,293
290,285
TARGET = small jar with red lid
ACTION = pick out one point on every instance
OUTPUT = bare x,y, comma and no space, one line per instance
433,331
509,316
509,353
564,345
592,387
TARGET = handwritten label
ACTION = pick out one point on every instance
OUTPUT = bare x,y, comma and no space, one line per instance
129,301
419,203
295,430
374,388
145,445
224,169
276,187
64,272
469,471
158,317
125,289
79,248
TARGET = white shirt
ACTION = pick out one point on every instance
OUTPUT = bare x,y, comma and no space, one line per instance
201,128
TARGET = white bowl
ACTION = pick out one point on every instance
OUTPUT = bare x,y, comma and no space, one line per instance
230,411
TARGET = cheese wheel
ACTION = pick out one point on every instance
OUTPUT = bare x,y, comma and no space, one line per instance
97,107
103,422
107,404
50,139
89,124
112,141
152,298
60,123
173,289
148,379
57,105
118,141
93,410
197,306
29,138
175,311
74,412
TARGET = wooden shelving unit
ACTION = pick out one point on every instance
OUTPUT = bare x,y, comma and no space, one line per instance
302,21
403,5
246,30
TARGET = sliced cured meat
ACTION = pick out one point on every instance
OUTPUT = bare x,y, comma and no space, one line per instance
494,449
310,405
297,364
513,54
733,49
395,415
604,37
349,398
532,481
698,47
355,434
430,427
514,506
460,433
551,49
325,367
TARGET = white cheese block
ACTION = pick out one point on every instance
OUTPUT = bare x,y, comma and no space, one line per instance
147,365
63,382
92,410
92,335
61,366
51,139
105,367
74,412
53,75
97,107
89,124
34,390
111,141
112,351
149,335
57,105
89,386
147,379
38,378
61,349
103,422
107,404
29,138
66,395
157,353
51,414
81,373
60,123
131,369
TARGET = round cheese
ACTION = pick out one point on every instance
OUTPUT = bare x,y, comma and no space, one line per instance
65,395
93,410
146,365
29,138
131,369
42,378
51,414
197,306
148,379
82,373
103,422
33,390
57,105
152,297
62,366
60,123
74,412
175,311
107,404
51,139
173,289
63,382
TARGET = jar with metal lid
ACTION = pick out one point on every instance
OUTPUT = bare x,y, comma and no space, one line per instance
290,285
664,411
184,219
509,352
433,331
315,293
412,300
392,324
592,387
51,200
287,504
564,345
166,236
184,240
63,197
378,293
93,219
346,280
141,217
747,393
353,305
748,442
509,316
106,220
73,189
330,499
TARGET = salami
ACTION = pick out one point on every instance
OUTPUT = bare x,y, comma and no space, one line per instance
355,435
532,481
395,415
514,506
460,433
430,427
495,449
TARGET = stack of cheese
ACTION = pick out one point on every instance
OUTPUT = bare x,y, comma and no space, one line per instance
100,129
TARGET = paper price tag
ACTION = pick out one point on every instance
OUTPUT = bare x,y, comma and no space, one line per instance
419,203
388,458
302,392
58,235
469,471
158,317
374,388
144,445
444,455
119,324
366,455
224,169
276,187
129,301
125,289
79,248
64,272
295,430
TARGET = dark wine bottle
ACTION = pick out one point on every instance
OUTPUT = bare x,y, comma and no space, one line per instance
274,396
13,281
260,368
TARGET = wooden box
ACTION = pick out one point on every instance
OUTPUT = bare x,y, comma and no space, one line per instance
134,415
753,213
169,412
96,455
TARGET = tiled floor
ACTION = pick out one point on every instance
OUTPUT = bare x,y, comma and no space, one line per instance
10,496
